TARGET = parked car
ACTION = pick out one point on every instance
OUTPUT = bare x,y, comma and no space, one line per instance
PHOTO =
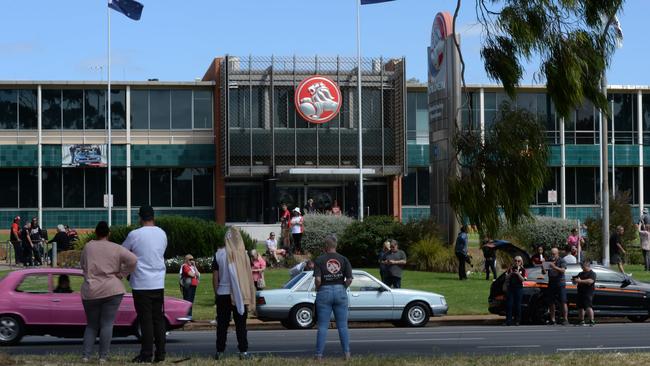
370,300
616,295
29,305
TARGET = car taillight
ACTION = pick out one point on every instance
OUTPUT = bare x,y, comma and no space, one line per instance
530,284
261,300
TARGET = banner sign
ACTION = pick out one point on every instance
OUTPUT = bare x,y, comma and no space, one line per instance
84,155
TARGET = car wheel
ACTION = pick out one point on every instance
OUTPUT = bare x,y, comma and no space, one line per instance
11,330
416,315
302,316
286,323
638,318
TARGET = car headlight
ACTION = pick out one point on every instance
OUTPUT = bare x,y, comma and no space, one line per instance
442,300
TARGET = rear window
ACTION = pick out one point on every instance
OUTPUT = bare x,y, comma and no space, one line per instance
292,282
34,284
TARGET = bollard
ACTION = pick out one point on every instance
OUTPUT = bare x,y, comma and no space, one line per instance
54,254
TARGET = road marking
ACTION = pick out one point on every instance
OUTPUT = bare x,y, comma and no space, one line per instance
518,346
275,351
410,340
601,348
488,331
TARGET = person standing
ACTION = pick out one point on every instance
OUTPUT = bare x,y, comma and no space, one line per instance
556,286
37,236
332,275
234,290
297,228
616,250
285,218
258,265
336,209
310,208
515,277
190,277
538,258
27,246
385,249
104,264
644,238
645,217
148,243
61,239
395,260
586,281
14,237
490,258
461,252
571,258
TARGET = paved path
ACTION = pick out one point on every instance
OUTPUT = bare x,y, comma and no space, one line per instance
390,341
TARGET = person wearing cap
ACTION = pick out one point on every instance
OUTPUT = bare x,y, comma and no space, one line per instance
297,226
189,280
148,243
14,237
586,281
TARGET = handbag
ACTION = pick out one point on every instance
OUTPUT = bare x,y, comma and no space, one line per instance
186,282
261,283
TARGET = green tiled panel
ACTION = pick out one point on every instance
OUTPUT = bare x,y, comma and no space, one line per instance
118,155
51,155
415,213
18,156
7,216
191,155
589,155
418,155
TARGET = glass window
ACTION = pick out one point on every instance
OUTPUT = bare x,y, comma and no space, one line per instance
118,109
118,186
609,276
95,109
284,109
423,187
73,187
140,109
292,282
203,190
28,109
182,187
95,183
244,203
181,109
160,188
139,186
239,111
409,188
51,104
257,107
9,188
35,284
72,109
159,109
52,187
587,178
364,283
8,109
626,182
28,181
570,186
202,109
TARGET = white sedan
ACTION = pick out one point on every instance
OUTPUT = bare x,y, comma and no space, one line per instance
370,300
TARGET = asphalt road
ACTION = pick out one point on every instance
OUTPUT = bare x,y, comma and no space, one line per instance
388,341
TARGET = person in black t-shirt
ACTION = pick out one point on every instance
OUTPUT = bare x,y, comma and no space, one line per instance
490,258
333,275
586,281
515,276
616,250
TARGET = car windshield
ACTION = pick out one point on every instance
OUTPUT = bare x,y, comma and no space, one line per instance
292,282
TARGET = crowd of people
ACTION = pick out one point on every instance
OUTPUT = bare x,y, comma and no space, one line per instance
29,241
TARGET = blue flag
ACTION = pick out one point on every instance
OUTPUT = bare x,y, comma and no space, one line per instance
368,2
130,8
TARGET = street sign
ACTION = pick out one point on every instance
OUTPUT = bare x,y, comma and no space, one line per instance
552,196
106,200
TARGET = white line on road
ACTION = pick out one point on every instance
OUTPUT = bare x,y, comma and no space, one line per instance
409,340
488,331
601,348
517,346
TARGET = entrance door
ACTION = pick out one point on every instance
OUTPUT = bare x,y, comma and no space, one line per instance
325,197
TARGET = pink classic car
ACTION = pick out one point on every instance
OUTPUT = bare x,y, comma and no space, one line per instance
33,303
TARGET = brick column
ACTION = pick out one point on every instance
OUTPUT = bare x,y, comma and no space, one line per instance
396,196
214,74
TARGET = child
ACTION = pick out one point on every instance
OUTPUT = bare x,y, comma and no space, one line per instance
586,281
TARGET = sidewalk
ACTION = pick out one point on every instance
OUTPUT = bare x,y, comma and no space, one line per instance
450,320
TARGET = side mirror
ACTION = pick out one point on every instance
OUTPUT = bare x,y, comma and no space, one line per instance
626,282
382,289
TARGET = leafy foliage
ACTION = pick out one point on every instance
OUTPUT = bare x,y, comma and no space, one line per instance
184,235
505,171
539,230
432,255
620,213
317,226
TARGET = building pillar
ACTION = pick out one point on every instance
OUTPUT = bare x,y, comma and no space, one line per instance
40,155
396,193
639,118
128,155
214,74
562,171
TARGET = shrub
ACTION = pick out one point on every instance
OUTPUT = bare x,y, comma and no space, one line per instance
432,255
620,213
69,259
362,241
317,226
540,230
184,235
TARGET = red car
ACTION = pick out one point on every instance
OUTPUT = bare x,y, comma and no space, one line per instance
32,304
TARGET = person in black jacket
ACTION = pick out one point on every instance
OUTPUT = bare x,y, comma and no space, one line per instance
61,239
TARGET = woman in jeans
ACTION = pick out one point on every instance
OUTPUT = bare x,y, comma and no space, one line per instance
333,275
189,280
515,278
104,264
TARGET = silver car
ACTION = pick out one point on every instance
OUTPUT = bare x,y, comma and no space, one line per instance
370,300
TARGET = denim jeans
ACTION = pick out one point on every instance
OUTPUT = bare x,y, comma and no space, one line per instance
513,304
100,315
332,298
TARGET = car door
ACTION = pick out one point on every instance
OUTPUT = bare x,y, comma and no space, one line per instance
610,297
369,299
67,308
34,299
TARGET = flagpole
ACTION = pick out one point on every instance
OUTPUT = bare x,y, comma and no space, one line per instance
361,204
108,119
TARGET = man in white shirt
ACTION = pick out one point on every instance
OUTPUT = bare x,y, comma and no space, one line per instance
148,243
272,248
571,257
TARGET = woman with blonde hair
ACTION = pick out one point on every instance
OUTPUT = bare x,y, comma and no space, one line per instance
258,265
189,280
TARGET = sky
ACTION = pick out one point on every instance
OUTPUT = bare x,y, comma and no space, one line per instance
176,40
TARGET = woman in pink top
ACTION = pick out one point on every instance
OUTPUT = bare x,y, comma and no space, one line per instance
104,264
258,265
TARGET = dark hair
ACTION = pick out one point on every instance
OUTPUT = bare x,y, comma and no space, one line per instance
64,278
102,229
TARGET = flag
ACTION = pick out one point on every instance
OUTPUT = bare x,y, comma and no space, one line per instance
368,2
130,8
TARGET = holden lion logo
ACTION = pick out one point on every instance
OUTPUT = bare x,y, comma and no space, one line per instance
318,99
333,266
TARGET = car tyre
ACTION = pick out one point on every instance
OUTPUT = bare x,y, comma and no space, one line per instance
286,323
638,318
416,314
12,330
302,316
